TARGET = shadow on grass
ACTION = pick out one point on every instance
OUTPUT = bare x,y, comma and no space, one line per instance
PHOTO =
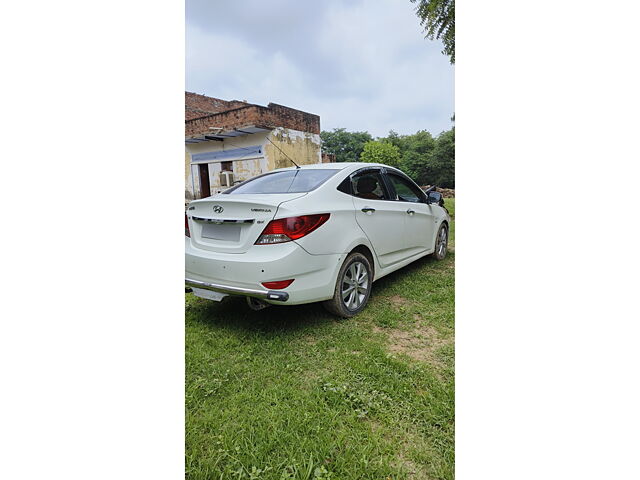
233,313
427,262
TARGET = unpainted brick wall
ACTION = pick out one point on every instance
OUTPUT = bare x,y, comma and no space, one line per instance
328,157
272,116
197,105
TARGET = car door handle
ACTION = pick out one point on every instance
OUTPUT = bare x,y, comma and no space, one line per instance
411,212
368,209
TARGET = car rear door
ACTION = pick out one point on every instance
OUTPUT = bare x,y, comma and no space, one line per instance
381,219
419,217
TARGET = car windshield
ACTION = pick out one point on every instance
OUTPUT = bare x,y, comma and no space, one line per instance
299,180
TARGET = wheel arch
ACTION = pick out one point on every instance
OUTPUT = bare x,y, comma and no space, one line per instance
366,251
444,221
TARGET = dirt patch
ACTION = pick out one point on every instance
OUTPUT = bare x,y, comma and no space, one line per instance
446,192
413,470
420,344
398,301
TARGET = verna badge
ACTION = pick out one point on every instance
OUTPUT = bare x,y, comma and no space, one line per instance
218,209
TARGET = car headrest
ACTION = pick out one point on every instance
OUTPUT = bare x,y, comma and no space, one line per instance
367,184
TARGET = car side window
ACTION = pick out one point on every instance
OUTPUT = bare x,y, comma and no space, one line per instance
369,185
406,191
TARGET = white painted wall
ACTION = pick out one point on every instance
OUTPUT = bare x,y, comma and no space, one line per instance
248,167
243,167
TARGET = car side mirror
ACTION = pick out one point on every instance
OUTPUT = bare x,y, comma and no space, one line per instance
434,197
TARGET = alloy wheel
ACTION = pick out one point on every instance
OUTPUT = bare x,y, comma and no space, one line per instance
355,284
441,246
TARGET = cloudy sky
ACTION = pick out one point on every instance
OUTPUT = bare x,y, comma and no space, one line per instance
362,65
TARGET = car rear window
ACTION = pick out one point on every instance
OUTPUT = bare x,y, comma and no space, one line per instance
299,180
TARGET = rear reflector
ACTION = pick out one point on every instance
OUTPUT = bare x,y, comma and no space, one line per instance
290,228
187,233
280,284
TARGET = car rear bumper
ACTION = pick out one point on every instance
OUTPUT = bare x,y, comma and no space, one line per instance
243,273
230,290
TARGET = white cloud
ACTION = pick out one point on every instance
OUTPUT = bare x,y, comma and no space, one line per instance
363,66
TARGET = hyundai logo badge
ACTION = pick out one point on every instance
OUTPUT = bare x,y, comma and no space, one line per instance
218,209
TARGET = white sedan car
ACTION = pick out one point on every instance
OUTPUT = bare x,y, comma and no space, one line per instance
318,233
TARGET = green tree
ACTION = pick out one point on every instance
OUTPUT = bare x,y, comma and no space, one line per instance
425,159
381,152
416,156
438,17
346,146
443,159
394,139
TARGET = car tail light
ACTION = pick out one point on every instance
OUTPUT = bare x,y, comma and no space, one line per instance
290,228
186,226
279,285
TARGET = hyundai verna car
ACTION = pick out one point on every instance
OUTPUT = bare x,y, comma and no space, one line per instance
317,233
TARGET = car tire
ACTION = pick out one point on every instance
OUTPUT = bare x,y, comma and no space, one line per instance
442,241
353,287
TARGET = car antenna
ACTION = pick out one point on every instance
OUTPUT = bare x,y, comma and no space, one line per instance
297,166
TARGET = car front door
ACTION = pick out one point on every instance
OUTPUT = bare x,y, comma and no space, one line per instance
420,220
381,218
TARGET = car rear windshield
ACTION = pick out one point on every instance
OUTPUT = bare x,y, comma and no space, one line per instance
299,180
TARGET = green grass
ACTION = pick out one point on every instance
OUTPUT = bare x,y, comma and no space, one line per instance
292,392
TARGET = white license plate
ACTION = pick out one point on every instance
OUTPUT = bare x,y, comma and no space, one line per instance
229,232
208,294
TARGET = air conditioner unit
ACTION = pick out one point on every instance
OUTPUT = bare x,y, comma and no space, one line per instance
226,178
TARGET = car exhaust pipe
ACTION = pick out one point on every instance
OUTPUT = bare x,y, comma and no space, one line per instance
256,304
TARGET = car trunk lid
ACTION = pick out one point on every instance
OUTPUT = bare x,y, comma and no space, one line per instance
232,223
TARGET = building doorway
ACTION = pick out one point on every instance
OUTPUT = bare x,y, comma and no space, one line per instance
205,188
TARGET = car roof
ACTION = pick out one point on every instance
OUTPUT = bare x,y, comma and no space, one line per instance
334,166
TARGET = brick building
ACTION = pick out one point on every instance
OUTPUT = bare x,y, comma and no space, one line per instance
230,141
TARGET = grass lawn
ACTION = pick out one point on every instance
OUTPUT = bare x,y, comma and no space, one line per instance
292,392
